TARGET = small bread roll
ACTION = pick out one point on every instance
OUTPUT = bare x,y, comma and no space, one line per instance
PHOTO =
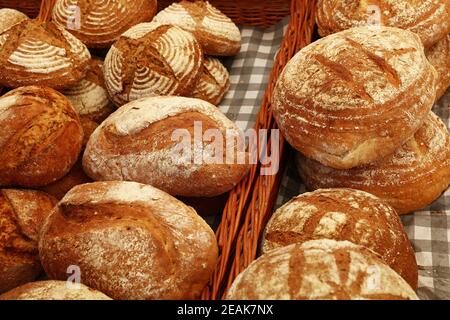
130,241
22,213
439,57
157,141
430,19
356,96
320,270
152,59
409,180
53,290
344,214
217,34
40,136
101,22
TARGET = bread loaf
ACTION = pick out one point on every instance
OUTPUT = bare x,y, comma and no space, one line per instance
40,136
409,180
356,96
439,57
344,214
101,22
140,142
320,270
9,18
152,59
130,241
53,290
21,216
217,34
430,19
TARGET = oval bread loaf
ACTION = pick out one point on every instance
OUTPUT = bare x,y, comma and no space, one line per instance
439,57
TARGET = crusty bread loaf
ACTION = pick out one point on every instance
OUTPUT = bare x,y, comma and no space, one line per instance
139,143
152,59
214,81
41,53
101,22
22,213
9,18
217,34
344,214
130,241
317,270
430,19
355,96
40,136
439,57
409,180
53,290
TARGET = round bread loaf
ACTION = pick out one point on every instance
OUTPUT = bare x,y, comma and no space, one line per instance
89,96
152,59
130,241
217,34
163,141
53,290
214,82
320,269
40,136
41,53
439,57
101,22
9,18
430,19
22,213
344,214
408,180
355,96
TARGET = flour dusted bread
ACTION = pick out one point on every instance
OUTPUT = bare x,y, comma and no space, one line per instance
40,53
22,213
408,180
439,57
217,34
131,241
355,96
430,19
152,59
53,290
9,18
101,22
153,141
320,270
40,136
344,214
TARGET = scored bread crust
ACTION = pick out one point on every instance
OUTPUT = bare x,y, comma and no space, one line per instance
430,19
344,214
320,270
439,57
130,241
9,18
102,21
409,180
355,96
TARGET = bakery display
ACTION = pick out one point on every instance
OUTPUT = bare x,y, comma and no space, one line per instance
344,214
409,180
355,96
101,22
216,33
163,141
22,213
430,19
214,82
320,269
40,136
130,241
439,57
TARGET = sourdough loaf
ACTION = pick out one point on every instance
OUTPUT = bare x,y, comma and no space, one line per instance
439,57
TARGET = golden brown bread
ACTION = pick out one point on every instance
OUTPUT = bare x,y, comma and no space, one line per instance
320,270
439,57
409,180
130,241
355,96
40,136
101,22
9,18
430,19
344,214
22,213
